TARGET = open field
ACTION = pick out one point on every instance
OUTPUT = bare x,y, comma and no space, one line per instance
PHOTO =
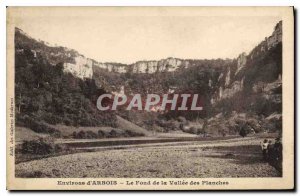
239,157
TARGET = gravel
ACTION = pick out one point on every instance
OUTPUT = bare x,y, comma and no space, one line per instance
189,161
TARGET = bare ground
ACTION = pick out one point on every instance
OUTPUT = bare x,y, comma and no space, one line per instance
229,158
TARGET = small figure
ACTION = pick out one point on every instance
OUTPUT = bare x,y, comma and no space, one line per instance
269,150
278,149
264,148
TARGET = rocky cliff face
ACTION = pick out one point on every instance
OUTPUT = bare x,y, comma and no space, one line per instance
82,67
241,62
169,64
276,36
112,67
234,83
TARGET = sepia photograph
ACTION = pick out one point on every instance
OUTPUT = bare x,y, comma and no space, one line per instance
150,98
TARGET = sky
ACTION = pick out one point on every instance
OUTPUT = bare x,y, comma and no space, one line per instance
126,35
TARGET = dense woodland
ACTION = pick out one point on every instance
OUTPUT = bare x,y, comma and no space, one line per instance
45,93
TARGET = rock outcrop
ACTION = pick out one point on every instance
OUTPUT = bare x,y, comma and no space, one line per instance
241,62
82,68
234,83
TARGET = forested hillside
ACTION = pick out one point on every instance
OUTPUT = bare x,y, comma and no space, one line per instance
45,93
245,91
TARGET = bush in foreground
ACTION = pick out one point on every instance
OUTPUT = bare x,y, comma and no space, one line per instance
41,146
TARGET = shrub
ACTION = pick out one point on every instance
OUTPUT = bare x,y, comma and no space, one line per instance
158,129
81,135
74,135
56,134
41,146
169,125
101,134
243,132
192,130
91,135
130,133
41,127
115,133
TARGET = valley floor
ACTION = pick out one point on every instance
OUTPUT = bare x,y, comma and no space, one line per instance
238,157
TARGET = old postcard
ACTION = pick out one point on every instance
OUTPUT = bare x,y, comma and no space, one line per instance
150,98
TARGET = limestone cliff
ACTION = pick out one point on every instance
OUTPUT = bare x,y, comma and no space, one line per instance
246,64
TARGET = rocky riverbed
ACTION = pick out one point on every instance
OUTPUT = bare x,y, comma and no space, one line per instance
232,158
